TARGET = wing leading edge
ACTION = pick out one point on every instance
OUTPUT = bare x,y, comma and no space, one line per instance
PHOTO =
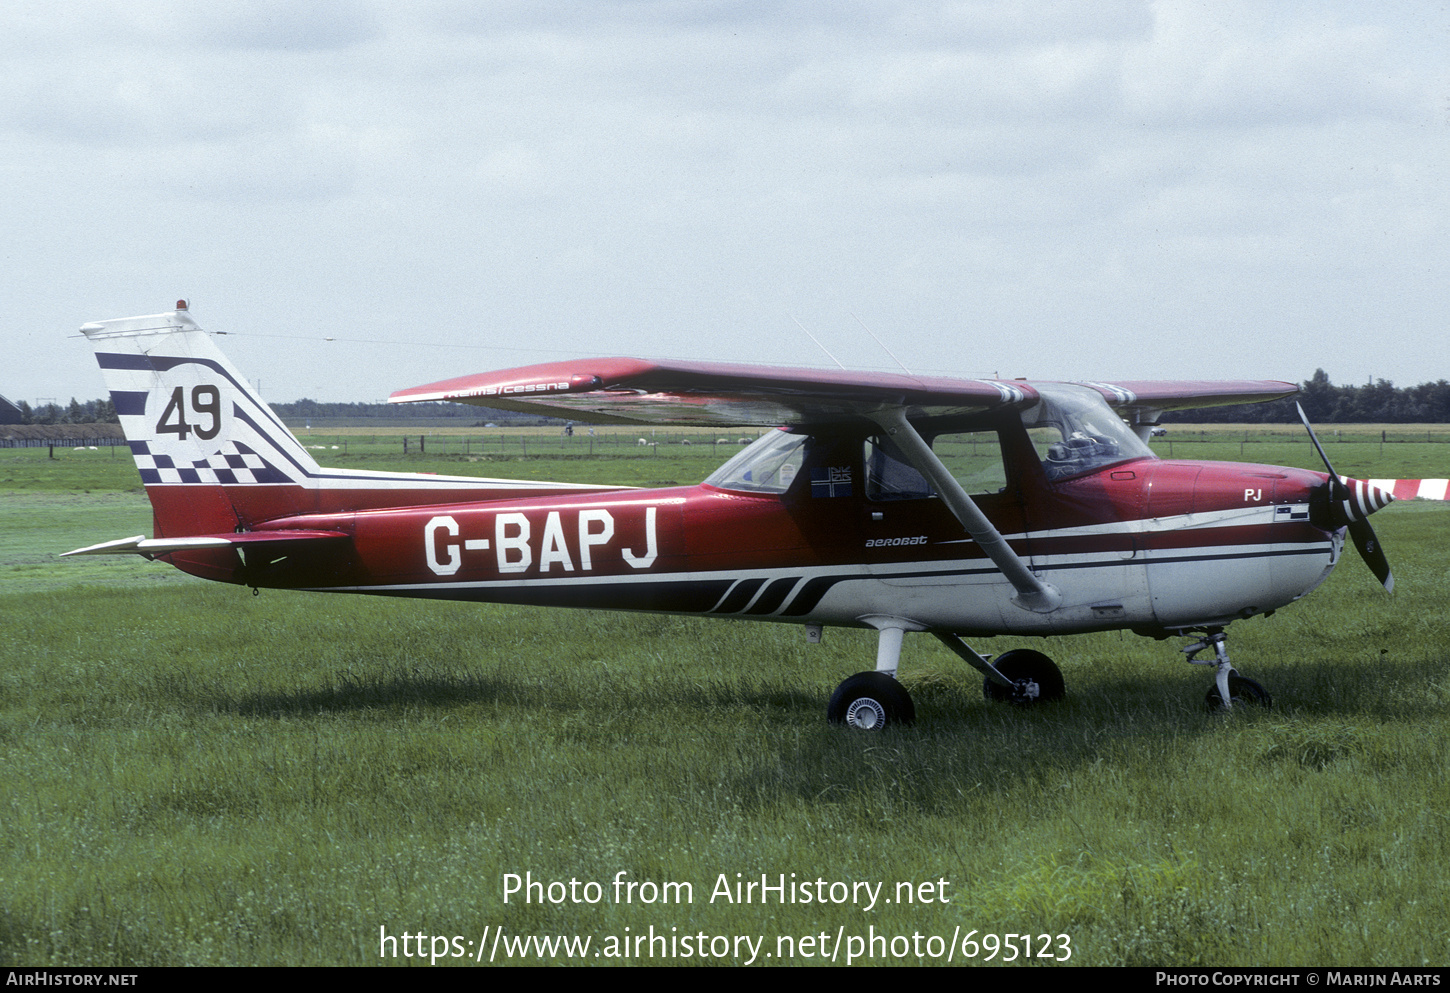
635,391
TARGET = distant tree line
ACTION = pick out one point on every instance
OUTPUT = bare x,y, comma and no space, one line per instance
104,412
1325,403
305,409
90,412
1377,402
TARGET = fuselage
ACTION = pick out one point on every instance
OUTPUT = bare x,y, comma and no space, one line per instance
1144,544
877,502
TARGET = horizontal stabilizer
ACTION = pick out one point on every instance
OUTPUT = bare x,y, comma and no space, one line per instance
151,547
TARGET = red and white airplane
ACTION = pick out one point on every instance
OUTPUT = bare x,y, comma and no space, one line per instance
963,508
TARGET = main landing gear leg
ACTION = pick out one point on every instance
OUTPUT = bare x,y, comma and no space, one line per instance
1228,687
874,701
1021,676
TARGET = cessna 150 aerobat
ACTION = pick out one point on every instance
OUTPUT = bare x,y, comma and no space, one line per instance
962,508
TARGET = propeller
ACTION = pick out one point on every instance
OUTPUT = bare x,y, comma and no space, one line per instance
1350,506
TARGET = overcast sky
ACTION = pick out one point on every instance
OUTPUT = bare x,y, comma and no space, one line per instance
1091,190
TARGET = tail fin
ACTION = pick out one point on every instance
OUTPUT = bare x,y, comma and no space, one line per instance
189,415
216,460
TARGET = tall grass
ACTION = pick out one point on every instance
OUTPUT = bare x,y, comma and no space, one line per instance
194,775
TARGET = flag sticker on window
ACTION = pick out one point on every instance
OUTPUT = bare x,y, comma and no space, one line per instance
831,481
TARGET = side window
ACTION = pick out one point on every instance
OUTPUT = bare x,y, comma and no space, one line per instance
769,465
974,458
889,476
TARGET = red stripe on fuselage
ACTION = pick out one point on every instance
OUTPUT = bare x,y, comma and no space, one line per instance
428,536
185,509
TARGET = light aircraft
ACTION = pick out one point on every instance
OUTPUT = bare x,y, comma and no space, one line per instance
962,508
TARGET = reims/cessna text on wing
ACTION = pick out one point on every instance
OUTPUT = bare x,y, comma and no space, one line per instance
962,508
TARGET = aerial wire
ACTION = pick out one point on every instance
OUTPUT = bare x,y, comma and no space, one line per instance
882,344
817,341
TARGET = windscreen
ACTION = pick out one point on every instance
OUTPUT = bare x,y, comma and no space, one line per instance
1075,431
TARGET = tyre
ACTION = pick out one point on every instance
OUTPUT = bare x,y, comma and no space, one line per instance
1241,691
1038,679
871,701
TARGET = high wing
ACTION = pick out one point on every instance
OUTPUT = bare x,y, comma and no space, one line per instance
636,391
1142,402
1182,394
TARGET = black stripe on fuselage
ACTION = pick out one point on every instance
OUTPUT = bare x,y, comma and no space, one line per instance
666,596
773,596
721,596
738,597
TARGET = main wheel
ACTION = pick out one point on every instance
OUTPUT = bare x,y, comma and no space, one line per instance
871,701
1038,678
1241,690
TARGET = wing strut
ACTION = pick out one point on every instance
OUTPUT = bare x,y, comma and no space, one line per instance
1032,593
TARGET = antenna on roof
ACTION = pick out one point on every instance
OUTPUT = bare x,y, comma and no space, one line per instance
882,344
817,341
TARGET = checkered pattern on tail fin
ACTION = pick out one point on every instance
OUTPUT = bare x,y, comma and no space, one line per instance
189,416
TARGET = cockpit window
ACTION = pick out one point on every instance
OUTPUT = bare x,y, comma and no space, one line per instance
973,458
1075,431
769,465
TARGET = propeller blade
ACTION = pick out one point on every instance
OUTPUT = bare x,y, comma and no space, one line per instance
1365,540
1373,553
1335,486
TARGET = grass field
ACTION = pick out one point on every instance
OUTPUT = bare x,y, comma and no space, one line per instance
193,775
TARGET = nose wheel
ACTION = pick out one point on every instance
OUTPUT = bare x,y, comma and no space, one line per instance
1241,690
1229,689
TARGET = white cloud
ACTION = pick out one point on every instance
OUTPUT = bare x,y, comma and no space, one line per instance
985,184
1234,64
